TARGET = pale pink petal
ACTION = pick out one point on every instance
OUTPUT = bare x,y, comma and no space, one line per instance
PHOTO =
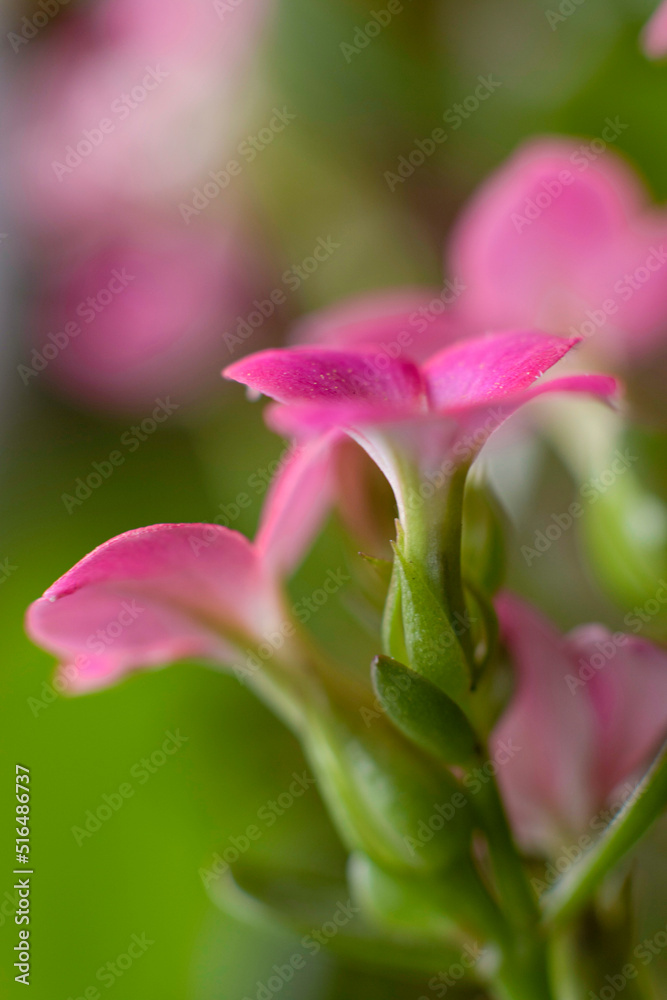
626,683
326,375
551,237
655,34
491,367
546,782
409,320
297,504
153,595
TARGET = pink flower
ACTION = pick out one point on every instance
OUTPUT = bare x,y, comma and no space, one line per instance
413,320
561,238
589,709
139,314
655,34
128,102
158,594
414,421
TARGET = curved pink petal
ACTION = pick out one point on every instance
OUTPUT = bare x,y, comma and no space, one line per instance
655,33
153,595
326,375
561,240
626,683
546,782
489,368
407,320
297,504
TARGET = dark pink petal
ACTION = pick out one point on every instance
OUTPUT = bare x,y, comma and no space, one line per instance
298,501
410,321
655,33
626,683
326,375
547,781
488,368
154,595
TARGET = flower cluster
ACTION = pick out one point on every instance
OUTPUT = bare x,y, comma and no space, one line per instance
481,738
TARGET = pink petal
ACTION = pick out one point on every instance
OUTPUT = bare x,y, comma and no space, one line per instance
489,368
297,503
546,783
412,320
655,34
326,375
628,692
153,595
551,237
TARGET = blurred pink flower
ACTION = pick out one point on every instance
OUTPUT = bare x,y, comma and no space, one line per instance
126,102
589,709
565,241
655,33
169,591
415,321
404,415
141,313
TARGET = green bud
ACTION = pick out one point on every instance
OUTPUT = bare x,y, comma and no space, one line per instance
453,908
431,639
423,712
388,800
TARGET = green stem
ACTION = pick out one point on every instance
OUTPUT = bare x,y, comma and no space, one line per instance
571,894
433,534
516,894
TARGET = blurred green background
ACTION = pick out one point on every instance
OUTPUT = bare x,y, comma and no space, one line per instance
138,874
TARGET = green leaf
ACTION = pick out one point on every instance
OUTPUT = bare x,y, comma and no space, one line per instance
303,901
383,793
642,809
432,642
423,712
